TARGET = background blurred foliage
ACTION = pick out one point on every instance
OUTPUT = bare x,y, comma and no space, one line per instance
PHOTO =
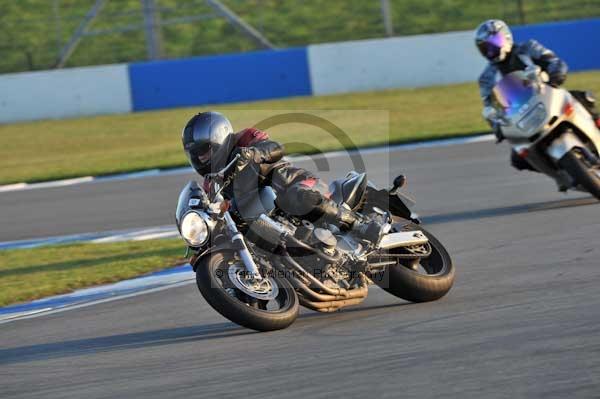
32,32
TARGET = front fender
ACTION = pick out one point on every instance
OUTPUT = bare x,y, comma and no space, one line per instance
224,246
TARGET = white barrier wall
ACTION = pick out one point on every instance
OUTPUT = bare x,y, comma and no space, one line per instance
363,65
64,93
378,64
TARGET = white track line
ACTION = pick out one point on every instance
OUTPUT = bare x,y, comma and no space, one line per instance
169,278
140,234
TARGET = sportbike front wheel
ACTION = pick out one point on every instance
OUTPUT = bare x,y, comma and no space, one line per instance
266,305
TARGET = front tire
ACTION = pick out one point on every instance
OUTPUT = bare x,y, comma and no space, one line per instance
432,282
216,287
582,171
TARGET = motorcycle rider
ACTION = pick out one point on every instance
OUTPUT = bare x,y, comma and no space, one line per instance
210,143
494,40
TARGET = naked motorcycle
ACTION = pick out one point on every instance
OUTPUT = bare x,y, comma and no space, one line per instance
257,270
550,129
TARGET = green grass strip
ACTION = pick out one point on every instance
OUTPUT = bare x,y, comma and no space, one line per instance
27,274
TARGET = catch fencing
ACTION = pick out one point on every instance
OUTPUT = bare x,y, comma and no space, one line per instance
365,65
43,34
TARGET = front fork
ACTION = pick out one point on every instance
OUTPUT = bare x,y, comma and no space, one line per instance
239,243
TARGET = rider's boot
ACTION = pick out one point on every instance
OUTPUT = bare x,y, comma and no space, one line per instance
519,163
346,219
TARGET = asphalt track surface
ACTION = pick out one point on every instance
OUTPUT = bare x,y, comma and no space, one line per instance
523,319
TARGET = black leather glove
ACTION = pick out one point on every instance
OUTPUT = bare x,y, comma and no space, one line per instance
557,73
251,154
556,80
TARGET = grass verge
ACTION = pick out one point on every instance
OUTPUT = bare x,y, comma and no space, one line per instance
48,150
27,274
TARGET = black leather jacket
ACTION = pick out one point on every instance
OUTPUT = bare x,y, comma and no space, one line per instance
272,171
522,56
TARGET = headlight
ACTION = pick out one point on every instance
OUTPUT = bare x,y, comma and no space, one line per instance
533,119
194,229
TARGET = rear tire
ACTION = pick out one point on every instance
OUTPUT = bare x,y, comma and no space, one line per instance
209,278
413,286
582,171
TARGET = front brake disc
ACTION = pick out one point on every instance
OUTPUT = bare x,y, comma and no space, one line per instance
265,289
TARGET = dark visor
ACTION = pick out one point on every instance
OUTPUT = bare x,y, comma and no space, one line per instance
491,46
489,50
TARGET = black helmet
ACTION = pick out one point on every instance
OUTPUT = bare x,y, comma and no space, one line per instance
202,138
494,40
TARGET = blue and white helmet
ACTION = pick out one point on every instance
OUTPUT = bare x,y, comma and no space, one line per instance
494,40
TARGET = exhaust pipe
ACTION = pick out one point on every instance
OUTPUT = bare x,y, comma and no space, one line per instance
326,304
329,299
328,307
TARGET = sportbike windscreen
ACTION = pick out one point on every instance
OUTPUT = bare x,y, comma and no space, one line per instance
512,92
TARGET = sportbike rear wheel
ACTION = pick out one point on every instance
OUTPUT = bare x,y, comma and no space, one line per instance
418,279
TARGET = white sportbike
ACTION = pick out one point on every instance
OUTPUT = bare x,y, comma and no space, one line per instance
548,128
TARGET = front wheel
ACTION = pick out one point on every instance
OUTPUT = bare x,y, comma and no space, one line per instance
271,304
415,279
584,172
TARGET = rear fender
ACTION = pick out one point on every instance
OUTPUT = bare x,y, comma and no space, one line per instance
383,199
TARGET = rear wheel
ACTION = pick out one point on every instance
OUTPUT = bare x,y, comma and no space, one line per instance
585,172
271,304
418,279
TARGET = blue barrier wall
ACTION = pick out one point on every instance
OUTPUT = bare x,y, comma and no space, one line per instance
220,79
410,61
577,42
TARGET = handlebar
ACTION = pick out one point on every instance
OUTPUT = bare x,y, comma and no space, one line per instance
220,175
